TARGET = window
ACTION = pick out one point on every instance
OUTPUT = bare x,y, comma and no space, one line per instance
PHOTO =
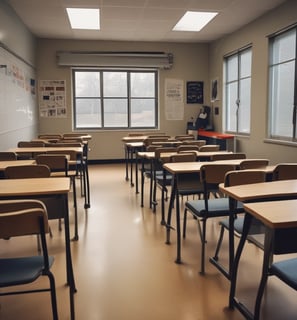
112,99
282,86
238,91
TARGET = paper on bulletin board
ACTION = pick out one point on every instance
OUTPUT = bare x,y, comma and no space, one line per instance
174,99
52,98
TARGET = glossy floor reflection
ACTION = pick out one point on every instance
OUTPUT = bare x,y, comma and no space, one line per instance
125,271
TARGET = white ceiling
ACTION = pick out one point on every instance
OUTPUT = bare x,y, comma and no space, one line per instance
139,20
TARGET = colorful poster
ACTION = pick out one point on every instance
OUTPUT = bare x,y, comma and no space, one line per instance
52,98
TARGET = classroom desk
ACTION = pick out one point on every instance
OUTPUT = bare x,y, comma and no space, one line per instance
42,189
5,164
264,191
280,219
188,167
79,152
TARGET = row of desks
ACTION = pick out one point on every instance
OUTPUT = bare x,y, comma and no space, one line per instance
273,213
44,189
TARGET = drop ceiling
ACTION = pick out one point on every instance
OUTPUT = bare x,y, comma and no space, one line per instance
139,20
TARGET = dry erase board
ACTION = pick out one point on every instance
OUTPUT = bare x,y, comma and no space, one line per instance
17,93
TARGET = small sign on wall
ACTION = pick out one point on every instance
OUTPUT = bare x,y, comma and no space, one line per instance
195,92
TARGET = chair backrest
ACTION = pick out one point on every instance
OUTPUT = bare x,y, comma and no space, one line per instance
239,177
27,171
187,147
150,140
71,153
8,156
26,144
209,147
285,171
183,157
183,137
212,175
50,136
163,150
56,162
228,156
22,217
198,143
253,164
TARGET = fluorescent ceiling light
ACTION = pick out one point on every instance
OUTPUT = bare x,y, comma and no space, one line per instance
84,18
194,21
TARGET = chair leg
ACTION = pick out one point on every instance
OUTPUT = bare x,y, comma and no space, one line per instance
203,242
185,222
53,295
220,240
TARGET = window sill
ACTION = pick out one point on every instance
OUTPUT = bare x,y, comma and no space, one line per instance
281,142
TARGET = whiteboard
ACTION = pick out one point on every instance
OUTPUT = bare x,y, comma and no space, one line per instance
18,105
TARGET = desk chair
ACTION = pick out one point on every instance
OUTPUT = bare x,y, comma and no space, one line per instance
8,156
59,167
26,172
187,147
234,178
183,137
160,177
209,147
27,144
285,171
253,164
227,156
24,218
211,175
198,143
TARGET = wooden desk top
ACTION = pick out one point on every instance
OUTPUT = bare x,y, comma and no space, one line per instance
5,164
134,138
33,187
45,149
275,214
263,190
183,167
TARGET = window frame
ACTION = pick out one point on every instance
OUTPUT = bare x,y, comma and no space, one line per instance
272,135
238,82
129,98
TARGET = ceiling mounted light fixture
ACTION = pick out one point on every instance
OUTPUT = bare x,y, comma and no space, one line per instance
194,21
81,18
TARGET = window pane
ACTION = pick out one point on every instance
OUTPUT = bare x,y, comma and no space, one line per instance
87,113
115,113
284,47
281,95
244,106
115,84
87,84
232,68
245,63
142,84
143,113
231,107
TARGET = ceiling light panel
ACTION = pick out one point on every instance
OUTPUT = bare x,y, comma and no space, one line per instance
194,21
81,18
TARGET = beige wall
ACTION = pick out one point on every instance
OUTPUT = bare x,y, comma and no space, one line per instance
256,34
190,64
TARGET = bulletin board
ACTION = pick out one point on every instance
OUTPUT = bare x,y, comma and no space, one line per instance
18,105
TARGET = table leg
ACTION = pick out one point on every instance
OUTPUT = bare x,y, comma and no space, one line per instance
171,203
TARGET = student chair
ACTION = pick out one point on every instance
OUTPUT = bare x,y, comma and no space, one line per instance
211,175
234,178
285,171
24,218
8,156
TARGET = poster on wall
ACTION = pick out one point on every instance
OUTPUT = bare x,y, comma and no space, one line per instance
174,99
214,90
52,98
195,92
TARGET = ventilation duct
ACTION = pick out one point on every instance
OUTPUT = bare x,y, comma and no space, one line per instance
116,59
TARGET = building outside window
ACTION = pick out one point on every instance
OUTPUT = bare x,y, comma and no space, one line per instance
237,91
115,99
282,86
